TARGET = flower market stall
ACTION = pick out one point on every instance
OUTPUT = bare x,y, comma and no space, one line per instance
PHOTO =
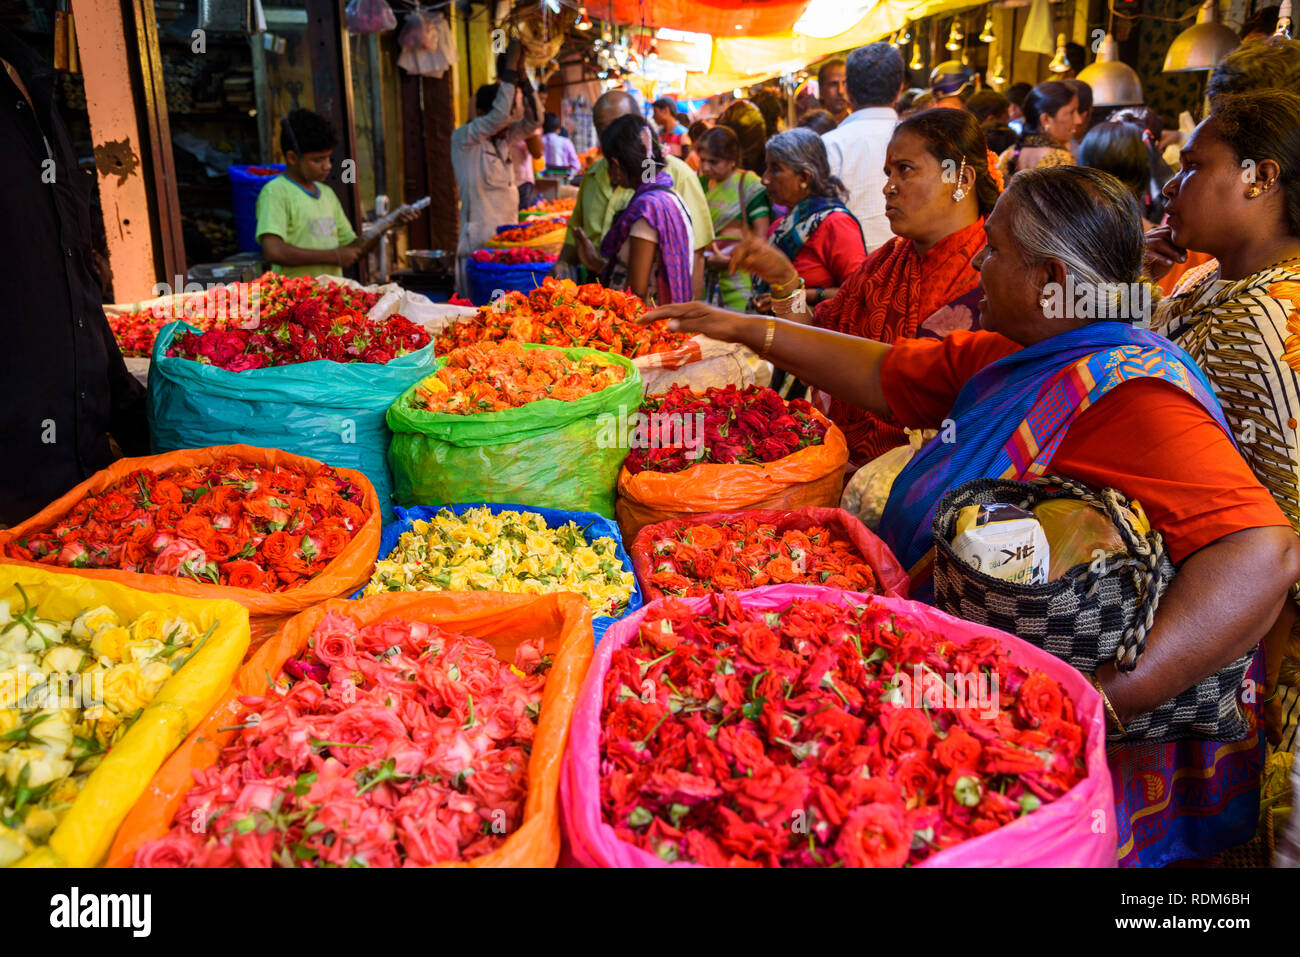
573,571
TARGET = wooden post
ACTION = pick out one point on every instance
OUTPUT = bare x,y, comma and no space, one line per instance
122,156
331,71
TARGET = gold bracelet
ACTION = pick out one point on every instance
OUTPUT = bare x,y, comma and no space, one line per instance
795,286
767,340
1111,713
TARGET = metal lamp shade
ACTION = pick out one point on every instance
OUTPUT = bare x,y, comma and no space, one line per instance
1113,83
1202,45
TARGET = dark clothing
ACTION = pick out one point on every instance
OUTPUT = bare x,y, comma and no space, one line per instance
63,384
1000,137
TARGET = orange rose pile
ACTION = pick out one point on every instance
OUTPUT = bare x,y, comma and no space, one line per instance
228,523
562,313
490,377
550,207
532,229
744,553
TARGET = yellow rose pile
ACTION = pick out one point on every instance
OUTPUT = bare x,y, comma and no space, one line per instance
510,552
69,690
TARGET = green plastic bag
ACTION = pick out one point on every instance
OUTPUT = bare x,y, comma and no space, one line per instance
330,411
547,454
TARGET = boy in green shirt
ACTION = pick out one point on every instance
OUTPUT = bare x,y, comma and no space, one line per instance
300,221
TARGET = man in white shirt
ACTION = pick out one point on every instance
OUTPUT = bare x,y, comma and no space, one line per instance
856,148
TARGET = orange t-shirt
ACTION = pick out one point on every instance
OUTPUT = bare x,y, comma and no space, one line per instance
1147,438
1179,270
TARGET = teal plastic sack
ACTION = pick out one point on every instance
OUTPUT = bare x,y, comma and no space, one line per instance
593,527
330,411
547,454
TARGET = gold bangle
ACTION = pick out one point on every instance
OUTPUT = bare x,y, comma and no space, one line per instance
794,288
1111,713
767,339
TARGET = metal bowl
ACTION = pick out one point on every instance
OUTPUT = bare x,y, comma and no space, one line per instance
440,261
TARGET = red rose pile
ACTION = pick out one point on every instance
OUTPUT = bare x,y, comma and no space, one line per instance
307,333
822,736
237,305
279,294
512,257
228,523
739,427
393,744
743,553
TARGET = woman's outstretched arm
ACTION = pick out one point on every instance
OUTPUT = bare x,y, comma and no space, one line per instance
843,366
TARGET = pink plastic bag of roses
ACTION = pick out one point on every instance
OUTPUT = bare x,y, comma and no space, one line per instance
942,775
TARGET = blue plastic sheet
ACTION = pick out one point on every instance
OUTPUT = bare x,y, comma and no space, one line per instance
333,412
594,526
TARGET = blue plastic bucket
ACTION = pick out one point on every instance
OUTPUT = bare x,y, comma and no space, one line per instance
486,278
246,186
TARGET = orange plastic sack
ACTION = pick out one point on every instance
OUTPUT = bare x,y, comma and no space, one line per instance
347,572
810,477
562,620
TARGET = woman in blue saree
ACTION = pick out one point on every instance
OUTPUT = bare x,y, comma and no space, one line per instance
1045,386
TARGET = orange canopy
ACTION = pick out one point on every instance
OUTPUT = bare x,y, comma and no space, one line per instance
722,18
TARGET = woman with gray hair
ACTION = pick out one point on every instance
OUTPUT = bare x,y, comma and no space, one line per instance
818,235
1046,386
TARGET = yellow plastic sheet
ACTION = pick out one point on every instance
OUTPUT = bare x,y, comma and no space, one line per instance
86,832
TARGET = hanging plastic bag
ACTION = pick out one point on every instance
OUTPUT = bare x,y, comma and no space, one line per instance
562,621
1075,830
369,16
421,43
82,838
550,454
331,411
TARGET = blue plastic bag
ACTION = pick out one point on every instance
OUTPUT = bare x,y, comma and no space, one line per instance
594,526
330,411
486,278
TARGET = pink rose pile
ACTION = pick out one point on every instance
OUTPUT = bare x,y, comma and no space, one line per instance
393,744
